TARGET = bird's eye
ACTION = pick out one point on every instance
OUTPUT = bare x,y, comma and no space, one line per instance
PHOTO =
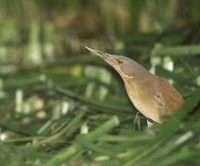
119,61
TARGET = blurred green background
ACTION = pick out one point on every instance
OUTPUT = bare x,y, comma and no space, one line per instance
59,105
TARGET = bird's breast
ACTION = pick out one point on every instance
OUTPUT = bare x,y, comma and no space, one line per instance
143,101
147,108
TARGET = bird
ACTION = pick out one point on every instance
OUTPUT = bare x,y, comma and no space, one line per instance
152,95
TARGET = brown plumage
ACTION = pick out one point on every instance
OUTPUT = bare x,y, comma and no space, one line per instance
152,95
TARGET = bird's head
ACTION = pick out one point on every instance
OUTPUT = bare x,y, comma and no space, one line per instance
126,67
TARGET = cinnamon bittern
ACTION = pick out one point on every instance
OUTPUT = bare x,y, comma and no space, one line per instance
152,95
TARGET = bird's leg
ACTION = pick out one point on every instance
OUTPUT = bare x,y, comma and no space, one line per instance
136,124
149,124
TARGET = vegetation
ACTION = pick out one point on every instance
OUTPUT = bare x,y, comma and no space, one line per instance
62,106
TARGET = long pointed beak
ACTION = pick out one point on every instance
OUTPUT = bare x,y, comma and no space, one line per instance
110,59
105,56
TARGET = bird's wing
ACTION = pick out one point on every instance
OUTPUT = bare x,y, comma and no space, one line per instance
167,97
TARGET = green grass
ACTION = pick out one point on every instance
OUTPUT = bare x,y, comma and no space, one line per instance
110,141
